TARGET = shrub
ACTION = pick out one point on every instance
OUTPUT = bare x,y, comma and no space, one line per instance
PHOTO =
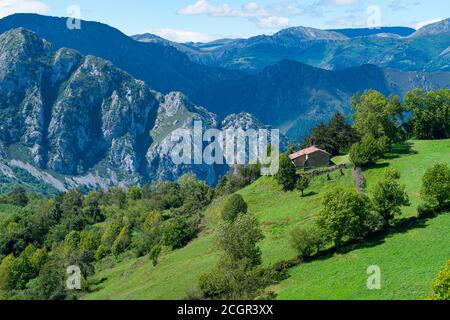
234,206
177,233
441,286
239,238
306,241
436,185
346,215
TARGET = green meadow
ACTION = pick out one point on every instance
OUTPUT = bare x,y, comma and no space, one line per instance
409,257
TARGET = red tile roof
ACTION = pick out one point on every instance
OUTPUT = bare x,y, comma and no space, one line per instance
305,152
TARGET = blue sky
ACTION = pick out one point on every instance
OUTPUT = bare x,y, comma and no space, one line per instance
203,20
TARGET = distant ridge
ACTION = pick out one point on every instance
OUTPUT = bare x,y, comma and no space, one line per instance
364,32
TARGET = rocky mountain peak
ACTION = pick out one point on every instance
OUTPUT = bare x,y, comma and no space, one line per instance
441,27
309,34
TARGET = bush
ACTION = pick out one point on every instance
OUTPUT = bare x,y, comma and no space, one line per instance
306,241
234,206
239,238
441,286
426,211
346,216
436,185
177,233
232,280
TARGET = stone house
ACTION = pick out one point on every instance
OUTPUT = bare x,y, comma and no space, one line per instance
311,157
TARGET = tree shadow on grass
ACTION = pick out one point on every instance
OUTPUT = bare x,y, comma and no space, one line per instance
94,286
400,150
375,239
310,194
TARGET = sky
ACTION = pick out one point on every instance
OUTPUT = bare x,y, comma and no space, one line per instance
206,20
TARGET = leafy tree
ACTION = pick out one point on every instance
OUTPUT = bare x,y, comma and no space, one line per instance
389,196
150,236
51,282
336,137
302,184
345,216
441,286
234,206
18,197
287,175
91,208
112,231
436,185
196,194
377,116
430,113
239,239
6,284
306,241
237,276
232,280
72,213
368,151
177,233
134,193
122,241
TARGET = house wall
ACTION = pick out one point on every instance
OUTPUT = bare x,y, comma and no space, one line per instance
300,162
318,159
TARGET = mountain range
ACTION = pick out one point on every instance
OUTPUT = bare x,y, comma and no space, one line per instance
399,48
95,108
69,120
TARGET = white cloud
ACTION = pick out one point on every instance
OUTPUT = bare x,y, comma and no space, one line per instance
203,7
273,22
8,7
425,23
343,2
183,35
267,17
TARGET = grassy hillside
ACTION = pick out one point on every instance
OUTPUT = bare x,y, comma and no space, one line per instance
409,259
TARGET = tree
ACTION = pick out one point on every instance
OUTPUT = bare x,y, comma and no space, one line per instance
306,241
336,137
134,193
122,241
376,116
345,216
238,239
436,185
441,286
18,197
237,276
232,280
234,206
430,113
302,184
177,233
196,194
287,175
389,196
150,236
368,150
